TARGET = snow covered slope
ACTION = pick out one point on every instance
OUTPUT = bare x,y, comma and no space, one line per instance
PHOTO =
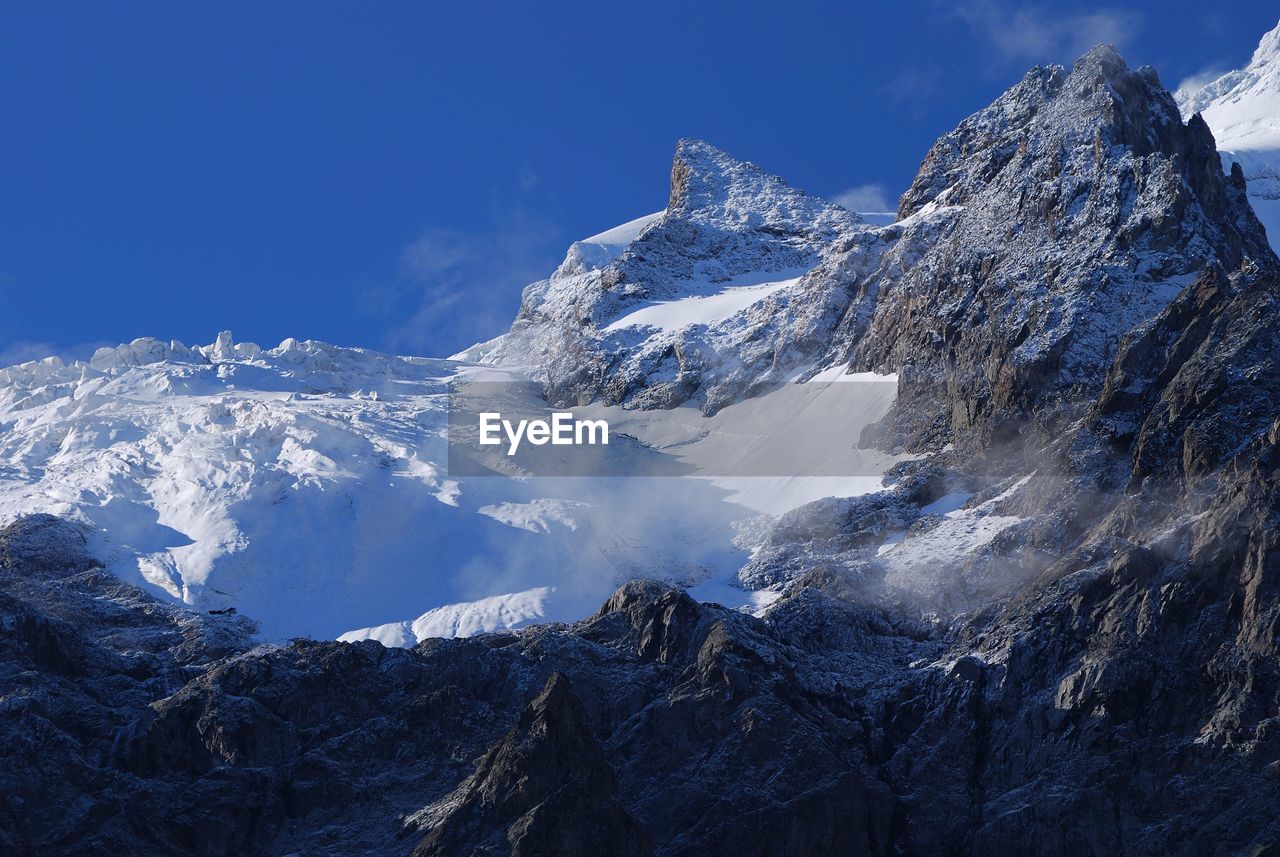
306,486
1242,108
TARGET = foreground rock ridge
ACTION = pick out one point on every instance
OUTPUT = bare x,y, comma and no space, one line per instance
1080,306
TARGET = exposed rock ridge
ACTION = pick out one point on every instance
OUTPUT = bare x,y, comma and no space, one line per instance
727,222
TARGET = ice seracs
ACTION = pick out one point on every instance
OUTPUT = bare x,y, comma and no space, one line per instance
306,485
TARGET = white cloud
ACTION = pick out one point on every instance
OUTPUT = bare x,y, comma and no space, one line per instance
1043,33
1190,85
24,351
12,353
465,287
866,197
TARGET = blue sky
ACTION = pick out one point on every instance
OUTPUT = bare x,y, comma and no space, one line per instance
390,174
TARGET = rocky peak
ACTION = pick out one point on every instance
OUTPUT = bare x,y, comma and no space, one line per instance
1069,212
727,220
1100,103
709,186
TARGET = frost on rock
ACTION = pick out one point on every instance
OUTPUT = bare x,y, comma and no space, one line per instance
1036,234
728,226
1065,215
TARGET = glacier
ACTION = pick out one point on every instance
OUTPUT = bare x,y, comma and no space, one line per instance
306,486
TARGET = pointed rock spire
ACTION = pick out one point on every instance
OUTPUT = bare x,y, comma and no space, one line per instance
709,184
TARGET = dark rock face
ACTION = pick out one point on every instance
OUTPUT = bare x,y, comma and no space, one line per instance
1126,709
545,788
1070,212
659,725
82,655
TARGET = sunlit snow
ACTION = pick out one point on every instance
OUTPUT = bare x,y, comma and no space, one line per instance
306,486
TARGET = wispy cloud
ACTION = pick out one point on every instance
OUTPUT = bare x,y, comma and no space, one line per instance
464,287
1190,85
912,84
1042,33
14,352
528,180
865,198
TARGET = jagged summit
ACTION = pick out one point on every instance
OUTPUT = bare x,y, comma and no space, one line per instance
1099,103
710,186
1068,213
710,189
728,224
700,173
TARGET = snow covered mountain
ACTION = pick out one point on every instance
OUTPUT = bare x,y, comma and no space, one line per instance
1242,107
306,485
1052,629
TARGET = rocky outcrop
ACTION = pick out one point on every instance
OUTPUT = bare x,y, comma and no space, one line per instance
728,223
545,788
1124,707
